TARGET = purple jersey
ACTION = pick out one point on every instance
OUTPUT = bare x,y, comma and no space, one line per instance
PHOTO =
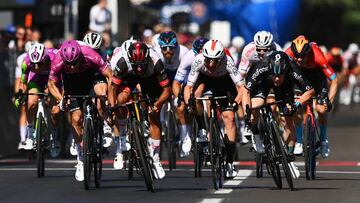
29,68
89,59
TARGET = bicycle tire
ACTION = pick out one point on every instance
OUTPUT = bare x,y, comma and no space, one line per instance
170,133
98,155
130,154
40,146
309,149
272,165
214,150
196,149
141,148
280,146
87,151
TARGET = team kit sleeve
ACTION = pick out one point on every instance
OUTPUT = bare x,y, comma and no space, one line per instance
120,71
245,58
25,69
254,76
184,67
55,68
194,72
234,73
161,75
321,61
299,78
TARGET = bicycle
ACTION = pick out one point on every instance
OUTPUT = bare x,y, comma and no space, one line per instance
311,141
92,139
275,147
216,141
44,140
138,155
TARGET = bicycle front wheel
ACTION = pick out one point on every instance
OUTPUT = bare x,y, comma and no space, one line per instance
40,151
170,133
98,155
88,151
141,147
309,140
215,154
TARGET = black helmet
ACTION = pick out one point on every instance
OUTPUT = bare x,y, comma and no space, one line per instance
278,63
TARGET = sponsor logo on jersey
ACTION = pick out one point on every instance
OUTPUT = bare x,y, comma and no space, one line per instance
259,71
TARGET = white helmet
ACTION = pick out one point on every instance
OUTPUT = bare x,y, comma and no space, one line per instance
37,53
213,49
238,42
353,48
263,39
93,39
125,45
28,45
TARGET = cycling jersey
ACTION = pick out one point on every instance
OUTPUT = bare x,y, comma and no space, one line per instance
118,53
315,60
335,61
19,61
88,60
152,81
226,67
184,67
42,69
172,65
250,56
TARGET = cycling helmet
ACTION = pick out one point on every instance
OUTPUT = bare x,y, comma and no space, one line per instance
198,44
70,51
93,39
278,63
336,51
125,45
167,39
353,48
300,46
213,49
238,42
37,53
263,39
28,45
138,54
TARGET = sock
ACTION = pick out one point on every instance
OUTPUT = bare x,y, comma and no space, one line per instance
23,131
187,133
154,149
230,149
290,149
299,138
323,133
79,154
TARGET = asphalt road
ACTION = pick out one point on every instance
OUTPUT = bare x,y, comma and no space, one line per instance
338,178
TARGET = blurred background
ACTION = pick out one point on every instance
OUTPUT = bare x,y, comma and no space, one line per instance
328,22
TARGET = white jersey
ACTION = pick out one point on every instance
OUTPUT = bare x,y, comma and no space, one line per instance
249,56
226,66
185,66
19,61
174,63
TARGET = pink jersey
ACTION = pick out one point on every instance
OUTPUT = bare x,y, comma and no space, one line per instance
89,59
27,67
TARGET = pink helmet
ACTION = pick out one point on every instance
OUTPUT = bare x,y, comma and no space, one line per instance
70,51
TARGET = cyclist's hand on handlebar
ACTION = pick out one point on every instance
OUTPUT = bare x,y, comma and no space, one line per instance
19,98
176,101
63,104
153,109
235,106
327,104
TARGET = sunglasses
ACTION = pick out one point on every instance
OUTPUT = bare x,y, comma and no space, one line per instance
167,48
209,60
262,49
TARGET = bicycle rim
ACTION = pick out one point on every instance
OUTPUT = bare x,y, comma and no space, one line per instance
144,160
196,148
87,142
215,155
307,147
40,146
170,131
98,158
284,159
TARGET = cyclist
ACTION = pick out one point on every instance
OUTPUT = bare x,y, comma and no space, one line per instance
217,71
281,74
145,69
177,87
77,66
94,40
261,46
35,73
315,67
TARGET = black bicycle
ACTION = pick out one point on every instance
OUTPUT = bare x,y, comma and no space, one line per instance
92,139
138,155
171,132
216,141
276,152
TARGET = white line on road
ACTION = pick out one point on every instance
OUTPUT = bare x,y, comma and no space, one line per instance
241,176
214,200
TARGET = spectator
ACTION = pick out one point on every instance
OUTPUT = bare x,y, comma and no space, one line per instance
100,17
147,37
48,44
36,35
29,34
20,38
237,45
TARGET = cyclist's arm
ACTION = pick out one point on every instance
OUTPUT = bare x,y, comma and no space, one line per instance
54,76
236,77
54,90
163,81
176,88
192,78
302,83
321,61
245,58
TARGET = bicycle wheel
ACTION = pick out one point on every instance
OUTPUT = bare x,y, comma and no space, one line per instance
88,151
309,149
141,147
281,148
197,148
131,154
171,145
40,151
98,156
215,153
